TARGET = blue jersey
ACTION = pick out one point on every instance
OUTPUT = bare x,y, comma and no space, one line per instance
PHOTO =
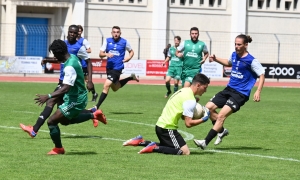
118,49
243,77
72,49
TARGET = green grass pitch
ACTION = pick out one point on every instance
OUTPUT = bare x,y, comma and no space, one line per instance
263,143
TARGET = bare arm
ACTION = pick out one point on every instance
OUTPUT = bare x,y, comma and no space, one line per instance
89,50
131,53
204,57
179,53
189,122
41,99
49,60
166,60
256,97
222,61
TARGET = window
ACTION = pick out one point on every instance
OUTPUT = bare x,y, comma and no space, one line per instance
131,1
250,3
219,2
182,2
201,2
287,5
172,1
268,3
260,4
100,0
190,2
211,3
278,4
295,4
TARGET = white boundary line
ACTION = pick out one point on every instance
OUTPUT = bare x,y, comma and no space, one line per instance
209,150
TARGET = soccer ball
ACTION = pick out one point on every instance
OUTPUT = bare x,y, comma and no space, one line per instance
199,111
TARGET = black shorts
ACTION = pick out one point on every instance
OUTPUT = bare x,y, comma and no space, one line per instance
113,75
170,138
85,71
231,98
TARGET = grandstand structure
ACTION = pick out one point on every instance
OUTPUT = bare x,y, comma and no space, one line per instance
28,26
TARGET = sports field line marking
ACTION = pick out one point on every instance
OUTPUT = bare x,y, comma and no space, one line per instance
209,150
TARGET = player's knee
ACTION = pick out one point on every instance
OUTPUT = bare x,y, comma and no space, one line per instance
64,123
186,152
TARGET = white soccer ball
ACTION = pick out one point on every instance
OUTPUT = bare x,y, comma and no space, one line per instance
199,111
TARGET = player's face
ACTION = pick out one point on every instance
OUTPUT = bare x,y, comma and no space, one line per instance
79,33
201,89
116,33
72,34
194,35
240,46
176,42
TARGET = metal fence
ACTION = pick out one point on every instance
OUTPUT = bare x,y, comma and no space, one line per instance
267,47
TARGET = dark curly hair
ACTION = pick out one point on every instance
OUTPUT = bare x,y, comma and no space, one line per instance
58,47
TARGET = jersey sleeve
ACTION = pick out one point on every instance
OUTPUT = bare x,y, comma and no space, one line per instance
86,44
188,108
70,75
169,54
257,67
205,50
181,47
128,46
82,54
103,47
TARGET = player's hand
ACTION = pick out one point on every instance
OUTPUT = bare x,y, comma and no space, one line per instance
90,85
163,64
43,62
203,61
180,55
109,55
206,116
41,99
212,58
256,96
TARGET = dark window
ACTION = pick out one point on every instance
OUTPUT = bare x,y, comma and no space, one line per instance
260,4
287,5
211,3
182,2
278,4
295,4
250,3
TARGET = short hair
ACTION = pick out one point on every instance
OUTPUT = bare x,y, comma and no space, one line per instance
201,78
177,37
74,26
116,27
58,47
80,27
246,38
194,29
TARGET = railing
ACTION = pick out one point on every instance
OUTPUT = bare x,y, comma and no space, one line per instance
267,47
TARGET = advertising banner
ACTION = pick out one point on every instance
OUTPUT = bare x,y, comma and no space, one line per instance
212,70
282,71
20,64
135,66
155,68
276,71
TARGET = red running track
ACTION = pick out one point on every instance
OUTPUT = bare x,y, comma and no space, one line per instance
142,81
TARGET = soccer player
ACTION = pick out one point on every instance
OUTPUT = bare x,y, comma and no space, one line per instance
180,105
245,71
85,64
194,53
75,48
72,110
114,50
175,67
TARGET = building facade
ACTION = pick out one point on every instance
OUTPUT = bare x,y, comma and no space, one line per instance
28,26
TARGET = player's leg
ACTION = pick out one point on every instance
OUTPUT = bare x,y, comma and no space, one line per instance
107,84
177,76
171,142
168,85
117,84
85,73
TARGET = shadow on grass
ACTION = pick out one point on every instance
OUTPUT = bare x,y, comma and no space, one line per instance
79,137
243,148
125,112
81,153
201,152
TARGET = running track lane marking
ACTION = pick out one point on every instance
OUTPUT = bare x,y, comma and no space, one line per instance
212,150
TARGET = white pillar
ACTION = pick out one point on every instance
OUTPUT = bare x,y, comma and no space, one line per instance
159,26
9,37
78,13
238,19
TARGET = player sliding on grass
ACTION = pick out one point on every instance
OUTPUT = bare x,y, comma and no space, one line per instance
245,70
72,111
180,105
